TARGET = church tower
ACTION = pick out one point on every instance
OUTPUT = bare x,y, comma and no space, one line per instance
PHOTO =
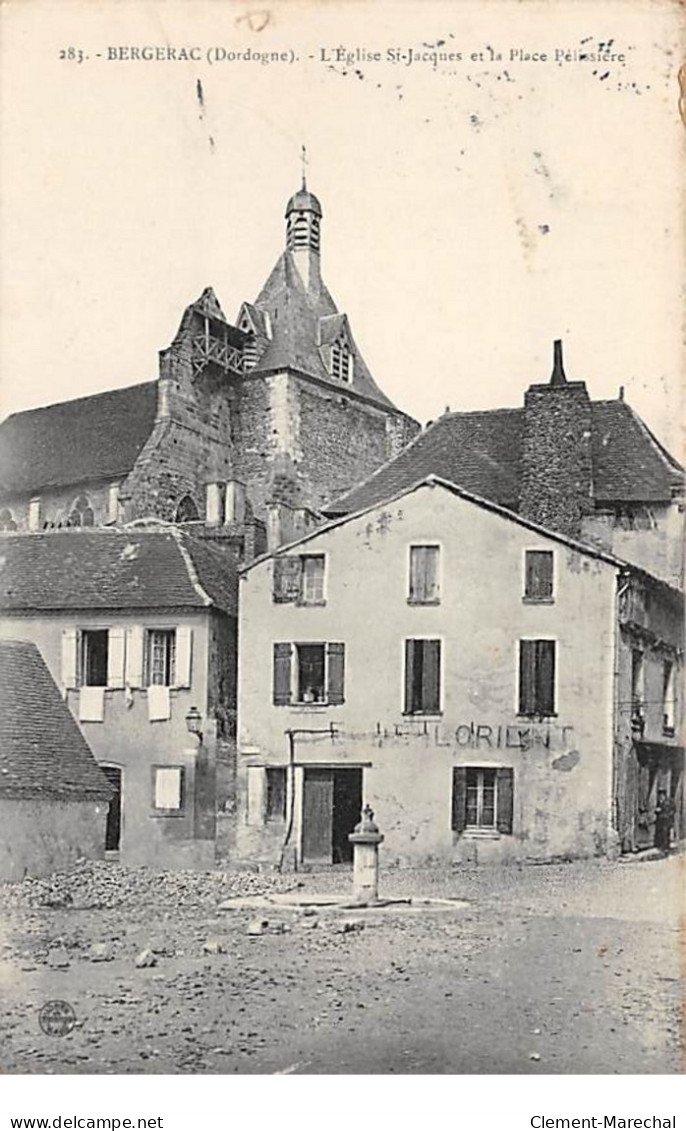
303,235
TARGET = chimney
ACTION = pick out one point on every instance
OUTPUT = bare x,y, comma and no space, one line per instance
557,470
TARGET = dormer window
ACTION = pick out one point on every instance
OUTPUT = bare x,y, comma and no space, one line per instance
341,361
81,513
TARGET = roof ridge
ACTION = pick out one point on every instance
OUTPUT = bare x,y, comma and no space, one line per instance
190,567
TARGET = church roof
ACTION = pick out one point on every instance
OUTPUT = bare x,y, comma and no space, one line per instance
124,568
90,438
304,201
295,313
481,452
42,750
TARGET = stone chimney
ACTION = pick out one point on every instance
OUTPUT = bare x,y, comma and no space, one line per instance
557,470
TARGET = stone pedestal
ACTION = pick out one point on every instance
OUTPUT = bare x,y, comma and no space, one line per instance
365,841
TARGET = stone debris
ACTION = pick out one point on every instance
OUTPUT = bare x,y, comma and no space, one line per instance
104,885
145,958
58,958
214,946
100,952
257,927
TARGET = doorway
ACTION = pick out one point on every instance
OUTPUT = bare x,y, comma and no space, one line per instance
332,802
113,826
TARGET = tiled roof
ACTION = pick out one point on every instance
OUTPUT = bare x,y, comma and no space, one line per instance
105,568
294,314
481,452
98,437
42,750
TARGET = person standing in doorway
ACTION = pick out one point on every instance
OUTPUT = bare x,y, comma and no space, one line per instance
664,819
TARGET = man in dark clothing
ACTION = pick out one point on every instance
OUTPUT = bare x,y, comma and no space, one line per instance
664,819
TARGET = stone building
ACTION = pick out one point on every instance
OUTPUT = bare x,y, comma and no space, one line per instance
249,427
464,670
588,469
53,797
137,627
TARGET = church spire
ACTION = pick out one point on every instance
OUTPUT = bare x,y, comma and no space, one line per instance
303,229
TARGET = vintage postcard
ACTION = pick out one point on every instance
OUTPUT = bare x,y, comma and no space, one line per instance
341,544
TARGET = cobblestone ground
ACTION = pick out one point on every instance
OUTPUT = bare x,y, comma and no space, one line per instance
549,969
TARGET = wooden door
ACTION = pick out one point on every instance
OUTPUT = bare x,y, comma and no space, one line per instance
113,827
318,816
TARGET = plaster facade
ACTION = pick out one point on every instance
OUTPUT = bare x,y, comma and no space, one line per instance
561,763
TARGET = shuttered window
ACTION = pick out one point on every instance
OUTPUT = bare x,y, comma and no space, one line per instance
168,788
538,584
160,657
422,677
536,677
424,588
282,673
94,655
299,579
482,798
311,673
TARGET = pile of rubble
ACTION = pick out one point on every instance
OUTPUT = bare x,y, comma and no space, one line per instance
104,885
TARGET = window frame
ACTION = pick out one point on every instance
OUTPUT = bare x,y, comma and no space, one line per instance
301,598
669,697
480,771
423,714
527,598
148,631
161,811
81,662
504,807
434,545
556,677
295,673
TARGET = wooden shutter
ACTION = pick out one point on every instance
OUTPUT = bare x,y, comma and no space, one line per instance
282,674
409,676
134,656
70,644
545,677
184,648
116,648
539,574
505,799
527,677
459,815
431,676
336,673
287,579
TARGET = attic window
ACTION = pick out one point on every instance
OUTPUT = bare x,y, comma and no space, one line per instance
6,520
187,511
81,513
341,361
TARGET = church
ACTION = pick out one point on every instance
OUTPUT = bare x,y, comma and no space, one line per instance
247,430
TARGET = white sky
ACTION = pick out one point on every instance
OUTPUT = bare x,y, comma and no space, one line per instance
437,189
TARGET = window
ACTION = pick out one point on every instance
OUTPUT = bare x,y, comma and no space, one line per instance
668,697
309,673
483,798
299,579
424,588
186,511
160,657
538,582
168,788
276,793
94,657
422,677
81,513
6,520
537,677
637,685
312,579
341,360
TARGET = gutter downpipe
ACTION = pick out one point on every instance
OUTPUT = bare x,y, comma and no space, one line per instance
614,810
